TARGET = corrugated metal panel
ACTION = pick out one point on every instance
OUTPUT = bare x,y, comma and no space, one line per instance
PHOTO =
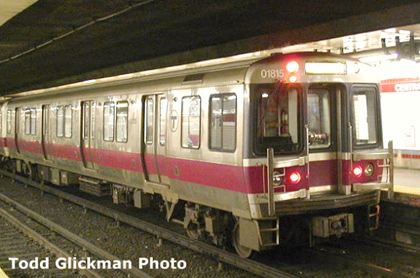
10,8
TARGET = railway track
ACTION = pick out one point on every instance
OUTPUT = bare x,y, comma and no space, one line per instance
17,241
217,254
12,230
220,255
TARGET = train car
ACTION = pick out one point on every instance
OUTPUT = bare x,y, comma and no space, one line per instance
262,152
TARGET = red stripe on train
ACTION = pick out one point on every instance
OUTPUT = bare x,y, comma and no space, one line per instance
229,177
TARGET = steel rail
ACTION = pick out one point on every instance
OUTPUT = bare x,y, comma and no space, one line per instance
93,249
200,247
41,240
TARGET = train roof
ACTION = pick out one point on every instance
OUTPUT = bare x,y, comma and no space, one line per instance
311,67
224,72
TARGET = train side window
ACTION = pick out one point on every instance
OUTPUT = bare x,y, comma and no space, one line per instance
122,121
109,108
191,122
68,119
60,121
9,121
223,122
162,121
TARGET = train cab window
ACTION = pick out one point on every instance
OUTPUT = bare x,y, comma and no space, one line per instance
109,112
319,118
223,122
365,115
122,121
9,121
277,124
191,122
30,121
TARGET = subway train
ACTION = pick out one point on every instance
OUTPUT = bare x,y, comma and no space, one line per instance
256,153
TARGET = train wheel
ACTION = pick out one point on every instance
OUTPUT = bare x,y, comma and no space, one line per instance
194,232
242,251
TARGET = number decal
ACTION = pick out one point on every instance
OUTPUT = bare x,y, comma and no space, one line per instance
272,73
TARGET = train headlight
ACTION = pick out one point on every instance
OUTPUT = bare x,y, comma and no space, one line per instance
292,79
358,171
277,178
295,177
292,67
369,170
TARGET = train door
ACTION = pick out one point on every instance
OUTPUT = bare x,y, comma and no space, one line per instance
154,138
45,138
87,134
324,125
17,128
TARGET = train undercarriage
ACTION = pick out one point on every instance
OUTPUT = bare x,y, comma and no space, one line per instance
222,228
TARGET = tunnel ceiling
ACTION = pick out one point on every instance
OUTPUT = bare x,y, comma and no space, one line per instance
55,42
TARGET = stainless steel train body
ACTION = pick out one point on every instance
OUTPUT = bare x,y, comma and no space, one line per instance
262,141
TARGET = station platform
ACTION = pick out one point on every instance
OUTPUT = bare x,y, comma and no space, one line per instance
407,181
2,274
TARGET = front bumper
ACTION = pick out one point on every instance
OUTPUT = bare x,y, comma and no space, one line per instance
315,204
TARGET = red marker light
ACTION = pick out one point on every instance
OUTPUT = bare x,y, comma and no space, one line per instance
295,177
292,67
357,171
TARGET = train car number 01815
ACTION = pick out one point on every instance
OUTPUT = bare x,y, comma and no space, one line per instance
272,73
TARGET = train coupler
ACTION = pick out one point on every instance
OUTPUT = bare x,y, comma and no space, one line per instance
333,225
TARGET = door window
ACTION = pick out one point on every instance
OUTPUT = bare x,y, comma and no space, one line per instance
319,118
109,112
162,121
149,127
122,121
223,122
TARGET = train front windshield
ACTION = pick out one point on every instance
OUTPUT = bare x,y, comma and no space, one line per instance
277,122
